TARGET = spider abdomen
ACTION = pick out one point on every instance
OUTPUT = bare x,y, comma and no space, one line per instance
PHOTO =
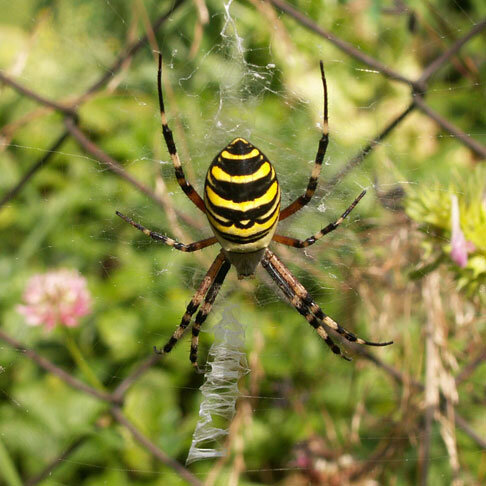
242,198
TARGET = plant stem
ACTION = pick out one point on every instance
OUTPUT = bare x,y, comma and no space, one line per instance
78,357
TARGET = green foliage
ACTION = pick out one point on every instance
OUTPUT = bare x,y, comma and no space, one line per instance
272,94
430,206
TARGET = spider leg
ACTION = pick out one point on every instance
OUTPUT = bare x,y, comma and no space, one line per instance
188,189
197,245
300,306
303,302
301,201
206,309
193,305
287,240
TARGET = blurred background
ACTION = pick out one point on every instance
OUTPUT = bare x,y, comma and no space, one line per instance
80,138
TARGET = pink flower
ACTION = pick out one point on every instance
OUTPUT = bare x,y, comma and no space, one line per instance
460,247
56,297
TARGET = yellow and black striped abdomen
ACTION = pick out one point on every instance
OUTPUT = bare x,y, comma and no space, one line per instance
242,198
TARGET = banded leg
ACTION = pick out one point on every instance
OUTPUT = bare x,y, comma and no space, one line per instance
303,302
197,245
305,297
193,305
287,240
206,309
301,307
301,201
188,189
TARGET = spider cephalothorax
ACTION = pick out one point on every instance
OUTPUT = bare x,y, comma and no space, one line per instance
242,204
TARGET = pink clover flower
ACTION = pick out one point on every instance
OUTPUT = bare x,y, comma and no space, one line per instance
56,297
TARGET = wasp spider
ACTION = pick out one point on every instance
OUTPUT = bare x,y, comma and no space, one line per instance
242,204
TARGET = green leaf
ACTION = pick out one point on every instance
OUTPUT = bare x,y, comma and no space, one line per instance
7,467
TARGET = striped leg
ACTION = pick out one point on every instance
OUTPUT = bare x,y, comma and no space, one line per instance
305,305
300,306
206,309
287,240
301,201
193,305
169,140
197,245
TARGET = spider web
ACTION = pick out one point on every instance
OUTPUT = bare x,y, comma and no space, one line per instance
256,75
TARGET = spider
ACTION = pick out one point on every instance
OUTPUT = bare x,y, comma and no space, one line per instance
242,204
